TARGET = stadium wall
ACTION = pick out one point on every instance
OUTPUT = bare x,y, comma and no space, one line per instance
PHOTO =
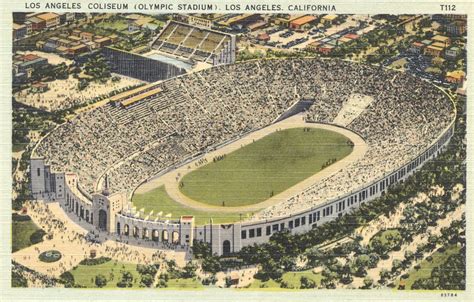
140,67
223,238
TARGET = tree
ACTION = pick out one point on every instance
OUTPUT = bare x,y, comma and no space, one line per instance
368,282
307,283
100,280
384,275
147,280
189,270
396,265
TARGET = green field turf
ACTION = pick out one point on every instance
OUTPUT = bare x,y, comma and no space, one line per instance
21,234
291,278
269,166
84,275
427,266
158,200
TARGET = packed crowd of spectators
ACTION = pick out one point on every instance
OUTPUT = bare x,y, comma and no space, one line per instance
198,112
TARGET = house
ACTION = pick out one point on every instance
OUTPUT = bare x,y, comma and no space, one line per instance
343,40
78,49
40,45
456,76
263,37
416,47
352,36
19,31
37,24
26,64
325,49
302,22
51,19
434,51
66,17
313,46
446,41
257,25
328,19
85,36
39,87
426,42
103,41
457,28
452,53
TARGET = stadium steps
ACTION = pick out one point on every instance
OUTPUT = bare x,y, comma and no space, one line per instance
184,40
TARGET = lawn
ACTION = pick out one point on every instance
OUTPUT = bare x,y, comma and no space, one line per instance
394,234
85,274
18,147
158,200
119,24
21,233
184,283
271,165
427,266
291,278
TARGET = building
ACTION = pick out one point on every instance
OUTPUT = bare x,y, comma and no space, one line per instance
138,24
313,46
434,51
241,21
19,31
114,214
456,76
66,17
416,47
325,49
196,44
457,28
24,65
452,53
85,36
352,36
304,22
51,19
328,19
445,41
102,41
285,20
36,24
257,25
195,20
76,50
263,37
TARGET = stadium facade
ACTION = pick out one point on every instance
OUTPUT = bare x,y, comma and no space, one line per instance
111,211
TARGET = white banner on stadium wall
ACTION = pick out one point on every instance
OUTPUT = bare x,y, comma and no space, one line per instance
236,150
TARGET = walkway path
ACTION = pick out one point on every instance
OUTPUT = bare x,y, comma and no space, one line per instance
64,235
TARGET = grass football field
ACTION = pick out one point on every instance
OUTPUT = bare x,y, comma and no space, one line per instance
266,167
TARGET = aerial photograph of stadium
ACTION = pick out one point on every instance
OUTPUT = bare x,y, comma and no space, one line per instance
246,151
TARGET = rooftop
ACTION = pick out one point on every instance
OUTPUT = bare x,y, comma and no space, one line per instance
47,16
303,20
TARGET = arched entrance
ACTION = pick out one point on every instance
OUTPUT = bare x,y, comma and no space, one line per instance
164,236
102,220
145,234
226,248
175,237
136,232
126,230
155,235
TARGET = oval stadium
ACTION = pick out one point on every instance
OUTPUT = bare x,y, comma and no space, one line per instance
232,154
